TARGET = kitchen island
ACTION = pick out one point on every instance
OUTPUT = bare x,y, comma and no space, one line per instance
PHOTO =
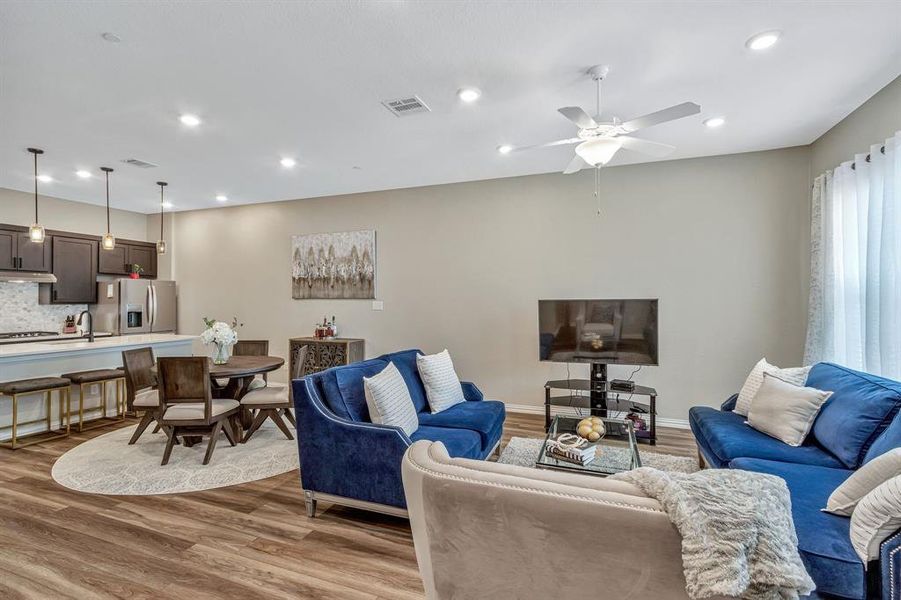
52,358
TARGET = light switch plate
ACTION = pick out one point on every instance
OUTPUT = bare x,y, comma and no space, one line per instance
110,291
378,305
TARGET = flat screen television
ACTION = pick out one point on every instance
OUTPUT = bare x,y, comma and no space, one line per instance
622,332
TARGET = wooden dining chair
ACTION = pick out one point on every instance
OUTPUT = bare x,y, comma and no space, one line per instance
273,402
184,385
140,388
253,348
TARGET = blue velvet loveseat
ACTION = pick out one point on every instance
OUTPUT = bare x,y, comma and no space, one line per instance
858,423
347,459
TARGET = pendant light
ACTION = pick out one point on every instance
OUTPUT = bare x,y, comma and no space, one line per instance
36,231
161,243
109,241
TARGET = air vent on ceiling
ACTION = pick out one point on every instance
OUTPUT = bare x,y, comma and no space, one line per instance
402,107
143,164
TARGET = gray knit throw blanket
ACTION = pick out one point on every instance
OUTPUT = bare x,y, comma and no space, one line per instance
738,538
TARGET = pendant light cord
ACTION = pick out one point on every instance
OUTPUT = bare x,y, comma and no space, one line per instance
161,212
36,187
107,201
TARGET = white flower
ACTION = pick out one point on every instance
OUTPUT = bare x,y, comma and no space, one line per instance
219,333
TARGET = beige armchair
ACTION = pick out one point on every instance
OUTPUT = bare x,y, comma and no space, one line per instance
487,530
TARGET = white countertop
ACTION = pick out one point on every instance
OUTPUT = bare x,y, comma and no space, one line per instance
100,344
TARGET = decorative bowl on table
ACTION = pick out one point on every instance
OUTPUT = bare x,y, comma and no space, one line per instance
591,429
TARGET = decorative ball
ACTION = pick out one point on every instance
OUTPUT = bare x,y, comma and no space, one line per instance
591,429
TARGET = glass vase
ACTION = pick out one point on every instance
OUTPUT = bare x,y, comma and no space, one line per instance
221,354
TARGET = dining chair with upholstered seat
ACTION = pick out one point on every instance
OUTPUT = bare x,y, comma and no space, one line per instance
140,387
273,402
184,386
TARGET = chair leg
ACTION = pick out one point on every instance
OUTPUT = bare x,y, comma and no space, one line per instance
310,501
214,436
257,421
290,416
169,443
228,431
277,418
145,422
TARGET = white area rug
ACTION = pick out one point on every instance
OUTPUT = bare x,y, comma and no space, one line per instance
524,452
108,465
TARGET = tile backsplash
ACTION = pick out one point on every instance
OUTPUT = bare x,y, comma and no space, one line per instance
20,311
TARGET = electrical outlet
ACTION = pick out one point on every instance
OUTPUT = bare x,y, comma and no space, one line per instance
378,305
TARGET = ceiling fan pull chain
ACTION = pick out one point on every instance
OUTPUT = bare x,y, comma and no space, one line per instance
597,187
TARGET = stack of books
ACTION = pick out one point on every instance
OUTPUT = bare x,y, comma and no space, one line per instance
580,454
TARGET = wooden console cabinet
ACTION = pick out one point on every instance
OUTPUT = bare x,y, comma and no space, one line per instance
324,353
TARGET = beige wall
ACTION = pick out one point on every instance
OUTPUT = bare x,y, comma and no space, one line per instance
17,208
462,266
871,123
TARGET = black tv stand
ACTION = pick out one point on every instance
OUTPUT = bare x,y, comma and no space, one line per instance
600,399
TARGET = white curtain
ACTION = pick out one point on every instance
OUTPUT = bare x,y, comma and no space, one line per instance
854,315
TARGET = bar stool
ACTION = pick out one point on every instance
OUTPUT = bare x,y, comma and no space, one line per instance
103,377
40,385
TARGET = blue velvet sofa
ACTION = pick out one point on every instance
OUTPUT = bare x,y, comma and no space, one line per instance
859,422
347,459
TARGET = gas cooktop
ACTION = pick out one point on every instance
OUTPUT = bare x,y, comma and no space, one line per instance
14,335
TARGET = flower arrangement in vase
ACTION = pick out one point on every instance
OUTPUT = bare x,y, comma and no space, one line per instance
221,335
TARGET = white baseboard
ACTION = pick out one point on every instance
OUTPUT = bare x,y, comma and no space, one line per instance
531,409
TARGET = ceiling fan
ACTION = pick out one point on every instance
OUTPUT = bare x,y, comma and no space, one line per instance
600,140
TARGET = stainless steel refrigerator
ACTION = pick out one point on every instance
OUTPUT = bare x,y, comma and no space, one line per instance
127,306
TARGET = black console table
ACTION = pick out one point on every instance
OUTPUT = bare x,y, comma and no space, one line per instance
616,400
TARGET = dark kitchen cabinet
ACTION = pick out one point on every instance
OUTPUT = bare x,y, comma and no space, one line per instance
33,256
8,259
19,253
75,267
119,260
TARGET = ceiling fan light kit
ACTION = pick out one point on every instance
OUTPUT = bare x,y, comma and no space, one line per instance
599,151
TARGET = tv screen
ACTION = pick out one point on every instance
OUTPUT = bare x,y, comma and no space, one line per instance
598,331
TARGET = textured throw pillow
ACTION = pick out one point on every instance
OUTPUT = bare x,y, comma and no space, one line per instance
785,411
389,400
442,386
863,481
795,375
877,516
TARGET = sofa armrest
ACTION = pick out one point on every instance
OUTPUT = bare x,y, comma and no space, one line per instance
471,392
729,405
347,458
890,567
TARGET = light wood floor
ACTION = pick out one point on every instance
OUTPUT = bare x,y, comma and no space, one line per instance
249,541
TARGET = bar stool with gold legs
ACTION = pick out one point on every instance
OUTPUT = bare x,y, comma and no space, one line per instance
102,377
40,385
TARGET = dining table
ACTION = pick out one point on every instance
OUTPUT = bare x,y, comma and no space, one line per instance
240,372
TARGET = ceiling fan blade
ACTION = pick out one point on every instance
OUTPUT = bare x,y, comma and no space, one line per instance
646,146
547,145
686,109
575,165
578,116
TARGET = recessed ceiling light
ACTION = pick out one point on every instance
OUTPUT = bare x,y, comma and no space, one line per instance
714,122
505,149
221,198
763,40
111,37
45,178
167,204
468,94
189,120
288,162
83,174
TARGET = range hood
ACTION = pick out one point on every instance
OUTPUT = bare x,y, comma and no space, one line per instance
27,277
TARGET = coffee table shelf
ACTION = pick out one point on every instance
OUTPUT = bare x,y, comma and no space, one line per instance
617,450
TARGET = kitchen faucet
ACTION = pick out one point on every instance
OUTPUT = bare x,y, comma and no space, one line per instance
90,324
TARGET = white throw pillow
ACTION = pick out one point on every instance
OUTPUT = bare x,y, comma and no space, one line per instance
877,516
389,400
785,411
442,386
863,481
795,375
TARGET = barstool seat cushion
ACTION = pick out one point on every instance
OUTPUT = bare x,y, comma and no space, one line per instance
23,386
94,376
270,394
192,411
147,398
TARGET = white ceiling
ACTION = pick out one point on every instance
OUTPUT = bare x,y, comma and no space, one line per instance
305,79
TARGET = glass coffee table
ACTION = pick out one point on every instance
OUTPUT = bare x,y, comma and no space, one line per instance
617,450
